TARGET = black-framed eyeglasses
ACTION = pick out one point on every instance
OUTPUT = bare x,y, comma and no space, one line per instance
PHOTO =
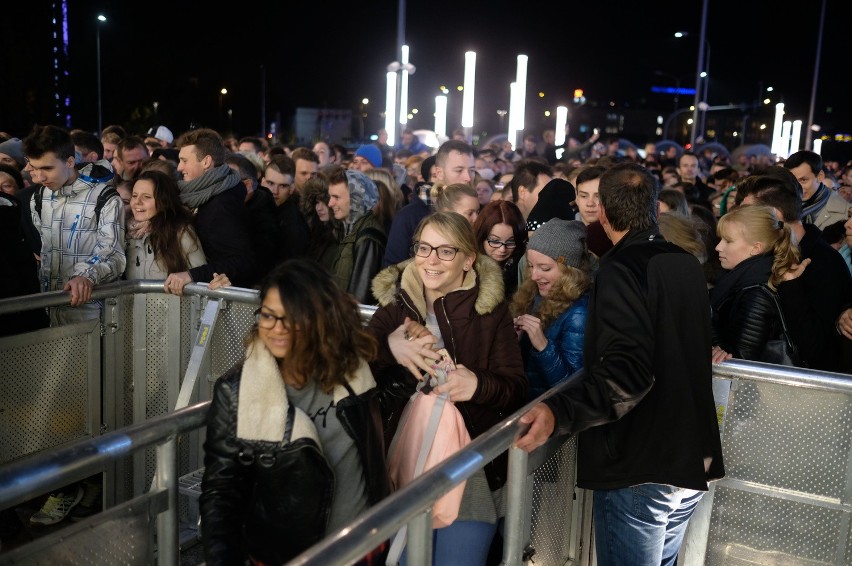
268,321
495,243
445,253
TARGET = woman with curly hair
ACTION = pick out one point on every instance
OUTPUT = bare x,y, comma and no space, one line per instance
294,446
160,236
551,304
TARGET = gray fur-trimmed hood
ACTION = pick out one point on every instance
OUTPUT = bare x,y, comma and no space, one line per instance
404,276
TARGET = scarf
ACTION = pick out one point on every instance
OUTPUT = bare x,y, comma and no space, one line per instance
136,230
751,271
813,205
213,182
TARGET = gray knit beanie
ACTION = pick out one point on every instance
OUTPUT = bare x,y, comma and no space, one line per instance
564,241
14,148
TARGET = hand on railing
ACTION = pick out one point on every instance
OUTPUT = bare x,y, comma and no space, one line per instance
719,355
81,290
219,280
541,421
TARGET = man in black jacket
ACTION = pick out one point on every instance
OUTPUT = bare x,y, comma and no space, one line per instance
217,195
649,440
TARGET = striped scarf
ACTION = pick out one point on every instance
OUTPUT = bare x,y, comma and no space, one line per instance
812,206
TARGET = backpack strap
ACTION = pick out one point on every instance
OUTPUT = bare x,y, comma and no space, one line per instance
106,194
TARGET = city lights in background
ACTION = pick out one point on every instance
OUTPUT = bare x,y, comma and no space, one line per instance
403,91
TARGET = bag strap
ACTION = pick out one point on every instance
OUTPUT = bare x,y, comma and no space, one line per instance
774,296
399,539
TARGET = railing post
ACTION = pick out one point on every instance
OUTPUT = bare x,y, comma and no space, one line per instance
515,527
419,543
167,522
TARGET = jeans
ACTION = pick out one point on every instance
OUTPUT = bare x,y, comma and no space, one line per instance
642,524
465,543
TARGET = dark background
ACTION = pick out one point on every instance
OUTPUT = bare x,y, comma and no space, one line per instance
331,55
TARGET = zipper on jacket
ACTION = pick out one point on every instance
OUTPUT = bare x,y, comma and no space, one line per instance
73,229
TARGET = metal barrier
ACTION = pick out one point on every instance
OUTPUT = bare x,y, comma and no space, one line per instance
786,438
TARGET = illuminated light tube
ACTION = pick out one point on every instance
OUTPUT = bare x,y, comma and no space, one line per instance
818,146
521,88
513,115
467,96
441,116
776,130
784,143
403,90
561,121
795,137
390,109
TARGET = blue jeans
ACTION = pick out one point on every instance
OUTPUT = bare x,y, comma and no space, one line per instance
465,543
642,524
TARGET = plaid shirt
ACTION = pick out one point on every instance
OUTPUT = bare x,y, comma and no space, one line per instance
71,242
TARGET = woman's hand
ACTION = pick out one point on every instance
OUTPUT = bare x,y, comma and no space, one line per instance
532,326
461,384
796,270
719,355
219,280
413,348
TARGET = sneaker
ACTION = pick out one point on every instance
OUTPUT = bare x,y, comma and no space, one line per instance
91,503
57,507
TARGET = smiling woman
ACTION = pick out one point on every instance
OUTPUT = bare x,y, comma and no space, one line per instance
450,297
160,237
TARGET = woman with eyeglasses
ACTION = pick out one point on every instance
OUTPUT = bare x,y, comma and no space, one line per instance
551,304
294,445
501,233
449,296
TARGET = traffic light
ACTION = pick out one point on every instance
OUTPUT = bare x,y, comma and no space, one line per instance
578,96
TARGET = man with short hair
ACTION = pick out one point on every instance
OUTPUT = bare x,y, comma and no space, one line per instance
324,153
588,196
130,156
411,142
351,198
531,175
217,195
88,146
453,163
307,165
278,177
648,439
821,205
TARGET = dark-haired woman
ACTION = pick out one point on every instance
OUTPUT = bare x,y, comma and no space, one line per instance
294,444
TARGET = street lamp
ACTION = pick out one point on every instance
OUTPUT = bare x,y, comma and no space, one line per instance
101,19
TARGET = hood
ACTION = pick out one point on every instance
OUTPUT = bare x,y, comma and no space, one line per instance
404,277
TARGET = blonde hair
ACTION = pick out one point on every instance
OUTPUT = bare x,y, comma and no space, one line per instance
682,231
454,227
570,286
761,224
444,197
386,177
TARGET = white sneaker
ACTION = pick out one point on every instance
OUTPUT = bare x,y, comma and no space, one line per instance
57,507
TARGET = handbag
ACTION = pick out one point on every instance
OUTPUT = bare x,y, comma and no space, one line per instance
780,351
430,430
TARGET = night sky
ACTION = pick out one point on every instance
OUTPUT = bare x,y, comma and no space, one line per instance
327,54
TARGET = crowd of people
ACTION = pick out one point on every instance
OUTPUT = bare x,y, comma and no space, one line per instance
525,264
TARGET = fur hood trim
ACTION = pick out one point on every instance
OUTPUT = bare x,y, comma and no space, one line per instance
262,406
404,276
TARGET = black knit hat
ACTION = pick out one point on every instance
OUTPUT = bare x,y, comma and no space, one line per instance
554,201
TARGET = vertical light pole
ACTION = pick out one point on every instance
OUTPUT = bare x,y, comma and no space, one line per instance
467,95
776,130
101,19
521,91
700,65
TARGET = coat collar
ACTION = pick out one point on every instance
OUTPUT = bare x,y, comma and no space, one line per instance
262,406
486,278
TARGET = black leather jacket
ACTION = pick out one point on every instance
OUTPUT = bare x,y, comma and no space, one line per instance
272,500
743,322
